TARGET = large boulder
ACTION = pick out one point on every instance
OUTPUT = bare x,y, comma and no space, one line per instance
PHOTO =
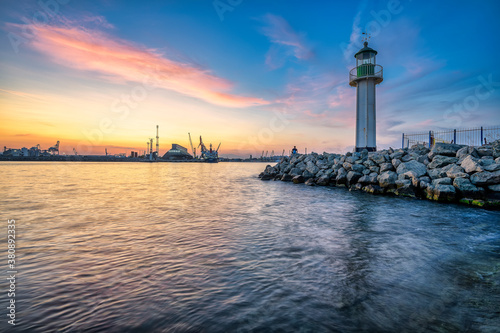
456,171
367,179
323,181
440,161
395,163
446,149
419,168
295,171
471,164
387,179
298,179
443,193
312,168
386,167
442,181
492,167
467,189
352,177
485,178
439,172
358,168
378,158
286,178
310,182
405,188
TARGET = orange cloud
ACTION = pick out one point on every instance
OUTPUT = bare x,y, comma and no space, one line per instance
117,59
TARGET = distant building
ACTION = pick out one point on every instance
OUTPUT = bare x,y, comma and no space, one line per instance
177,152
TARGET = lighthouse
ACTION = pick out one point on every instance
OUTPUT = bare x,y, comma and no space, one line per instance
365,76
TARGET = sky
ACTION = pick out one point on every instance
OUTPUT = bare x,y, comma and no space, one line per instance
253,75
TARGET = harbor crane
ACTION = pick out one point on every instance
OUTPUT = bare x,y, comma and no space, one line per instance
74,151
54,149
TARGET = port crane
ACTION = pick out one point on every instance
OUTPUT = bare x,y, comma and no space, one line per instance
54,149
209,155
74,151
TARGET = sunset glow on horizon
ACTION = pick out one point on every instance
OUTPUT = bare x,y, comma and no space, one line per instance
259,77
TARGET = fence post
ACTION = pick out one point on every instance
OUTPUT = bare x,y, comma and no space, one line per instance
403,142
455,136
481,136
429,139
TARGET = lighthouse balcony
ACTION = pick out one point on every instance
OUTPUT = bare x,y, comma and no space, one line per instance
365,71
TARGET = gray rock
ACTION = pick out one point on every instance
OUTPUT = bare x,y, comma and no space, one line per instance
456,172
301,165
440,161
287,178
485,178
492,167
306,174
494,188
323,181
347,166
375,169
358,168
442,181
398,154
395,163
419,168
485,151
312,168
387,179
378,158
295,172
444,193
298,179
405,188
466,189
471,164
352,177
373,189
446,149
366,180
310,182
439,172
462,152
386,167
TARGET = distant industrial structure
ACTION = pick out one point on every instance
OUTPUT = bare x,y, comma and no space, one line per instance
177,152
35,151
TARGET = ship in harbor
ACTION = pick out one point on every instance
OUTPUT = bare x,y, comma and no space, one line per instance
209,155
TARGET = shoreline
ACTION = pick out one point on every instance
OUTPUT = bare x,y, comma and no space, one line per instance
446,173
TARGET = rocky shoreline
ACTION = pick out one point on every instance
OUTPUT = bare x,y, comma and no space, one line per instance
446,173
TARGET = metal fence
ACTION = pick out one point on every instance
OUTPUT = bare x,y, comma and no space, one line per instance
465,136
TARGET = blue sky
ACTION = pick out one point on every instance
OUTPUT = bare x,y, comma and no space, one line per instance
256,75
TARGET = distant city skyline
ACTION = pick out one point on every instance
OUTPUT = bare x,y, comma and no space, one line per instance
254,75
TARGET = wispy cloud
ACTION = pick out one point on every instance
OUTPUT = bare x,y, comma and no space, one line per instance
355,37
115,59
286,42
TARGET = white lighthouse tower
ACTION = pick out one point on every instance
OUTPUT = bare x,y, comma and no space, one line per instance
364,77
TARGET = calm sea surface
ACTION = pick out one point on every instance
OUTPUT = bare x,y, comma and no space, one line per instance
178,247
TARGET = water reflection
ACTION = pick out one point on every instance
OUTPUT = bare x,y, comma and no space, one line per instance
121,247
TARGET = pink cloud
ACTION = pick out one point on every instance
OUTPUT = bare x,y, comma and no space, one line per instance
117,60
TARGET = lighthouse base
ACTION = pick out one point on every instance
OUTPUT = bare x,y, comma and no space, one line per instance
370,149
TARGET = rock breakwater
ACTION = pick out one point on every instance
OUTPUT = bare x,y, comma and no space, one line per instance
447,172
